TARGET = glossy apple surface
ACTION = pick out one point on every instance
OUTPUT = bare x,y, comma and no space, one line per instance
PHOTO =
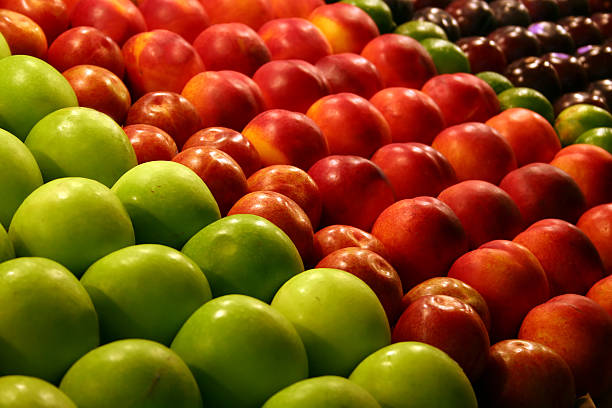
22,34
51,16
596,223
474,17
186,18
150,143
433,11
601,292
28,391
571,72
253,13
294,38
483,54
349,72
335,237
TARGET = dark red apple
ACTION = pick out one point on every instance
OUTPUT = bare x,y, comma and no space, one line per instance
553,37
510,12
348,72
571,73
253,13
483,54
516,42
436,15
596,60
536,73
583,30
150,143
475,17
578,98
542,10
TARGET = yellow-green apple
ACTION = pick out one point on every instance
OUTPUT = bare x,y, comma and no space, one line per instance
509,278
99,89
187,18
601,292
119,19
284,137
431,318
347,27
25,391
568,256
476,152
50,15
6,246
231,46
150,143
596,223
127,308
222,175
349,72
31,89
334,237
292,182
159,60
541,190
414,169
522,373
241,351
573,121
5,51
411,114
443,285
297,8
580,331
422,236
486,211
81,142
48,319
316,301
531,136
253,13
374,270
244,254
22,34
400,60
290,84
19,175
294,38
141,371
328,391
169,111
231,142
354,190
166,201
413,374
281,211
351,124
224,98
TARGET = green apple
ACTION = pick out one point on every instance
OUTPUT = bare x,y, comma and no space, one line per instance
244,254
6,247
48,320
338,317
497,81
420,30
19,391
5,50
379,11
414,375
31,89
132,373
447,57
167,202
528,98
19,175
175,288
327,391
74,221
577,119
600,136
241,351
81,142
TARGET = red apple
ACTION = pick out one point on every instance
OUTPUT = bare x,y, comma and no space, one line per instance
294,38
295,8
348,72
334,237
150,143
22,34
253,13
601,292
50,15
186,17
483,54
596,223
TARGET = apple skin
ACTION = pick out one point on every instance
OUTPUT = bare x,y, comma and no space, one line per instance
443,285
509,278
536,188
301,8
290,84
580,331
119,19
50,15
353,189
474,17
422,236
526,374
483,54
414,169
349,72
347,27
25,391
23,35
374,270
150,143
99,89
169,111
285,137
231,142
476,152
515,42
253,13
400,60
486,211
159,60
601,292
531,136
282,212
186,18
335,237
430,319
6,246
568,257
351,124
596,223
292,182
231,46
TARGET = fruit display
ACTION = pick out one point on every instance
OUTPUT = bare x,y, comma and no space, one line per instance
306,203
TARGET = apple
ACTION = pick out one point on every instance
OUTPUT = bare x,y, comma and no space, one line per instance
434,13
583,30
536,73
516,42
596,223
27,391
422,236
413,374
22,34
299,8
156,311
186,18
572,73
244,254
349,72
6,246
474,17
574,98
50,15
253,13
150,143
421,30
510,12
601,292
525,373
48,319
316,303
5,51
241,351
577,119
552,37
483,54
335,237
136,370
542,9
31,89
